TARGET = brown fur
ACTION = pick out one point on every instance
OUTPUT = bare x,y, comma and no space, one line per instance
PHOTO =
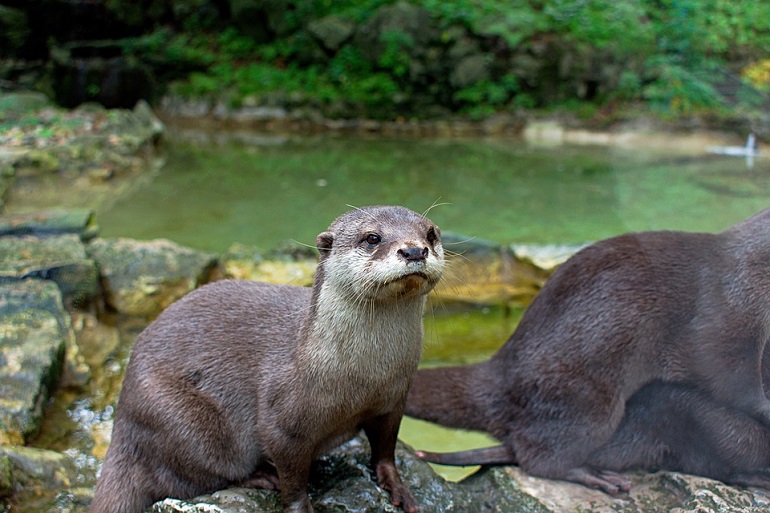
238,376
686,308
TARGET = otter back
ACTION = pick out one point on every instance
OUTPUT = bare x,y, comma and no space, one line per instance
676,307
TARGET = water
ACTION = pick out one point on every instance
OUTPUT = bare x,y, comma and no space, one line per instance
262,190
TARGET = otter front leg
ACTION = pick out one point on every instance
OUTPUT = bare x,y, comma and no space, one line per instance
382,433
293,474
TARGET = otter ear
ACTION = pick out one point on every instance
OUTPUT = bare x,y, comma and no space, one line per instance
324,243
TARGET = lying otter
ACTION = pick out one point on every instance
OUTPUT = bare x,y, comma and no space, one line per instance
246,383
687,308
667,426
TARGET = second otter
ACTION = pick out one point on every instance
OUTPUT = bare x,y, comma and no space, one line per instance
243,382
688,308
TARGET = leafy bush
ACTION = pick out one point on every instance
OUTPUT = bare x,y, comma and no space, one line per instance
665,53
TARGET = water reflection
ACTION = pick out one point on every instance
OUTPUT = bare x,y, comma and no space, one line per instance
261,190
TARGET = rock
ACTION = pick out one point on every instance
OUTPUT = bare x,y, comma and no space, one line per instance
6,478
101,71
546,256
247,263
60,258
36,331
661,491
15,104
144,277
342,482
331,32
37,473
51,222
407,21
263,19
483,272
471,69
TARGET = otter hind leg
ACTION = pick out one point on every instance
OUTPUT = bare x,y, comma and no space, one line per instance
605,480
264,477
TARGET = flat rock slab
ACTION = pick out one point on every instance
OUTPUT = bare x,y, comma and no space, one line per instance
650,492
143,277
51,222
60,258
342,482
34,328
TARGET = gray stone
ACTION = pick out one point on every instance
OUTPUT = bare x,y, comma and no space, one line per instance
483,272
660,491
144,277
410,21
331,32
38,475
469,70
342,482
15,104
59,258
56,221
35,331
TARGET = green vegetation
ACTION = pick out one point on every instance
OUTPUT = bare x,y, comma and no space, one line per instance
474,57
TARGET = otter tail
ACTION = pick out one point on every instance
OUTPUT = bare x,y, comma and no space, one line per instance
498,455
446,396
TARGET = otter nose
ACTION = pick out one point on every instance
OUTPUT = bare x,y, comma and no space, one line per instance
413,254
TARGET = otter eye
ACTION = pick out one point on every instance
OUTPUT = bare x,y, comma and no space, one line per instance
373,239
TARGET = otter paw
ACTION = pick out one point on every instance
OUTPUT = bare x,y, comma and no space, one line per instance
607,481
401,496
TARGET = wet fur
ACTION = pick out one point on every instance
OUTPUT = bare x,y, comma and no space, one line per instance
686,308
238,376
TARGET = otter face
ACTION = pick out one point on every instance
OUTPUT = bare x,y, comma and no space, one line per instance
378,253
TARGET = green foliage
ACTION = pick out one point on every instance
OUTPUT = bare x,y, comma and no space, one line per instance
493,93
235,45
601,23
665,53
679,90
395,58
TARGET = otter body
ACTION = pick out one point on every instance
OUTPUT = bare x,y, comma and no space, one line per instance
688,308
670,426
247,383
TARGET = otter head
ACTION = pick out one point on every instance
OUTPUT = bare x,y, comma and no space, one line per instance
380,253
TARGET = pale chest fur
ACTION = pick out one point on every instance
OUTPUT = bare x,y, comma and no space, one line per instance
369,349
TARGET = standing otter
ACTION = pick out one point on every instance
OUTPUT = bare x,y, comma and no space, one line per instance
247,383
688,308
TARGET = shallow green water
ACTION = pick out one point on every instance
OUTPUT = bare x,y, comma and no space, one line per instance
262,190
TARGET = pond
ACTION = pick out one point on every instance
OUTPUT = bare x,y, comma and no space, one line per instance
261,190
218,189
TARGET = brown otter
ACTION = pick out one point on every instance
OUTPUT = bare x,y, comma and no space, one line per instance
689,308
667,426
244,382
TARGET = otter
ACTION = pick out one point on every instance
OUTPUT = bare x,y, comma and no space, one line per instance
667,426
674,307
246,383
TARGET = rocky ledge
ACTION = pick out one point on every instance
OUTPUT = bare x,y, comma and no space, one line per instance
71,303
